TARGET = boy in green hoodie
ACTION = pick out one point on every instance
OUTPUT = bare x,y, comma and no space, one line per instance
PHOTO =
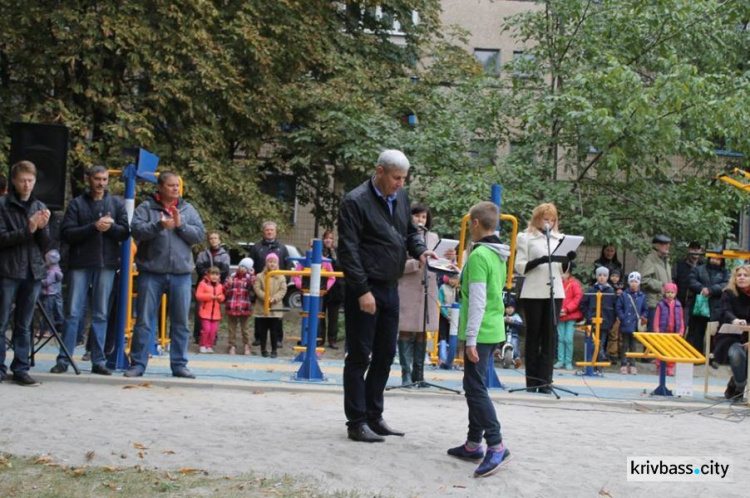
482,326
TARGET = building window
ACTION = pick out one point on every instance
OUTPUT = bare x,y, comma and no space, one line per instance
523,64
490,60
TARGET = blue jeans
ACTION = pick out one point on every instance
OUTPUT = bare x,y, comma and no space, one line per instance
371,347
53,305
565,335
101,281
22,293
483,420
738,363
151,286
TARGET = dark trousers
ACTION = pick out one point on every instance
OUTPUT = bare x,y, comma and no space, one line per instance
540,340
371,346
696,335
262,328
627,346
483,420
330,324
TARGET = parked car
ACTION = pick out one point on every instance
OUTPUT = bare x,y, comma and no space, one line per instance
293,298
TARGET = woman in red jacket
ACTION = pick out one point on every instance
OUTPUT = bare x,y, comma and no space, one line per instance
210,295
569,314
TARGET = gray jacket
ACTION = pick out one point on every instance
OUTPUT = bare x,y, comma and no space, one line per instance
161,250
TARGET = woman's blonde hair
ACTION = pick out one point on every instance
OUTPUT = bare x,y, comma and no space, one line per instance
732,286
542,210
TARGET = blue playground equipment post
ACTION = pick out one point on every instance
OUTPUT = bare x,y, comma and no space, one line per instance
305,322
661,389
147,163
310,370
588,348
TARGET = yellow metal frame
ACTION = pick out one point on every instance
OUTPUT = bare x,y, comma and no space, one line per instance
745,187
597,321
666,347
303,273
513,236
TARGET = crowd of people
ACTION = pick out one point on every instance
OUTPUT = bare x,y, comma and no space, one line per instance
388,295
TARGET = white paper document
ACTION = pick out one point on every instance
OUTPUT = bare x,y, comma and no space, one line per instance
444,245
567,243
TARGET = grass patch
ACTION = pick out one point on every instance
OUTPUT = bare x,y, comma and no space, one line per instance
42,477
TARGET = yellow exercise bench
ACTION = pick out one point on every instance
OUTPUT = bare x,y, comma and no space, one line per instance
667,347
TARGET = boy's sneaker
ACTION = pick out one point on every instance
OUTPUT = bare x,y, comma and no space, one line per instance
465,453
624,370
203,349
517,363
493,460
633,370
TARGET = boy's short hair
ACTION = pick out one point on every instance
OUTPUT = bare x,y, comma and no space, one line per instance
22,167
214,271
486,212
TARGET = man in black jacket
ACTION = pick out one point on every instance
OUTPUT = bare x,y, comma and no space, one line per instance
24,240
94,226
375,233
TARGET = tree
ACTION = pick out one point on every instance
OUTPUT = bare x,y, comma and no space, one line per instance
212,87
626,101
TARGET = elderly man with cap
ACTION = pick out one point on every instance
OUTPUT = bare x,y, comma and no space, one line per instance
655,274
681,271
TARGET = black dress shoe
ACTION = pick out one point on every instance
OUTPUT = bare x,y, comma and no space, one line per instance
59,368
24,379
183,373
363,434
100,370
381,428
133,372
545,390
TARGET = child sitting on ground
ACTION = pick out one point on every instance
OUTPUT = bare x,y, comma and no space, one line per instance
240,295
210,295
276,292
631,309
482,327
668,318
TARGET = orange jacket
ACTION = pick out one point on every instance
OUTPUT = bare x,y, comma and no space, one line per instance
207,294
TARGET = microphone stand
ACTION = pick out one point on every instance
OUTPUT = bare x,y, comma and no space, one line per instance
425,286
549,387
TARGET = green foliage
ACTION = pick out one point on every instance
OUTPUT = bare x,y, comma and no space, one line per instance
627,102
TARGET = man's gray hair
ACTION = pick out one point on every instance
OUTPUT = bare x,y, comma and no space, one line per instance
268,224
393,159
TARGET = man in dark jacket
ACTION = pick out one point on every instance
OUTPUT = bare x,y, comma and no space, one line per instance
375,232
681,276
94,226
164,226
24,240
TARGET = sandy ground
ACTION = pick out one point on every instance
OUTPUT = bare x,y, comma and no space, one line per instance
558,448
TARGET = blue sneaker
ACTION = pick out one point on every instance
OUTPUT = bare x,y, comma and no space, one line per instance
493,460
465,453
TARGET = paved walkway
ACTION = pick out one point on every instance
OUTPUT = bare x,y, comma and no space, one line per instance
255,372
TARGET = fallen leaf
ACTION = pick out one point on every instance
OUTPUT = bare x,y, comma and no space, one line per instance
168,452
138,467
111,485
79,471
141,454
110,468
90,455
188,470
258,392
139,446
43,459
170,476
129,386
604,492
145,384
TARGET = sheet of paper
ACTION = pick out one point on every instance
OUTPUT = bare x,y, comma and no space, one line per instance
683,379
444,245
567,243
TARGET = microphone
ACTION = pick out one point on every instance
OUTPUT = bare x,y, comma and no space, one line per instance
547,227
422,228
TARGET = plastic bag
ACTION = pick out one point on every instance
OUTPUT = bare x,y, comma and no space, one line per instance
701,306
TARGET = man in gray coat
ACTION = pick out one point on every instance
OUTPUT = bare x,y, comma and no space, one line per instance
164,226
655,274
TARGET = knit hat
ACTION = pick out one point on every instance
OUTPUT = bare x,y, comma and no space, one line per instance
634,277
615,271
272,255
670,287
510,302
602,270
247,263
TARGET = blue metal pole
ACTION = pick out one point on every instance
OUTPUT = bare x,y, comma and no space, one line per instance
305,322
118,360
310,370
493,381
662,390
